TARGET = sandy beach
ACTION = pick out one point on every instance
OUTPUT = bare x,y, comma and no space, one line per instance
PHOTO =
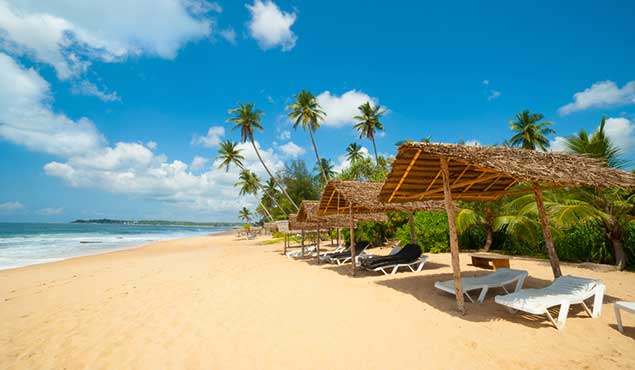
221,303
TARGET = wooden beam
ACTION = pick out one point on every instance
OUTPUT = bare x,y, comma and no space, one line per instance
352,228
318,243
492,184
302,243
403,177
454,239
328,204
470,186
457,185
462,173
542,213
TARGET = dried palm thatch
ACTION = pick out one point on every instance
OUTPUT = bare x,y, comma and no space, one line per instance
295,225
339,196
309,213
488,173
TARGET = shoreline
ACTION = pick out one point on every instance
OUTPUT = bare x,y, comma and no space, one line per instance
110,249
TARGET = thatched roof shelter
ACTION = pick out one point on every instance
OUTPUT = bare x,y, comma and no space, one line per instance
488,173
309,213
339,196
426,171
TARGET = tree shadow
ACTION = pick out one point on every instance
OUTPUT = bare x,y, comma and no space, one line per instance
422,288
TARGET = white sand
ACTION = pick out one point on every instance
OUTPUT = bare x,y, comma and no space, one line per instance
217,303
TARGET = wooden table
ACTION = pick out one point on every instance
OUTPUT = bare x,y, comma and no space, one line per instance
489,261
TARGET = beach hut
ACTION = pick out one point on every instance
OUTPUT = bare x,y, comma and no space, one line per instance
355,199
427,171
308,213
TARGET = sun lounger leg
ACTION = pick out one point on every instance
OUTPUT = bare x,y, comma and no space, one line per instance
562,315
586,308
383,270
519,283
394,270
618,318
597,301
481,297
468,297
421,266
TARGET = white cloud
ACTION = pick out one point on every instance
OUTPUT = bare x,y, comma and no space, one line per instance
50,211
229,35
86,159
284,135
213,138
151,145
90,89
340,110
292,150
601,94
473,143
485,82
622,133
26,117
198,163
493,95
270,26
202,7
10,206
343,162
68,36
558,144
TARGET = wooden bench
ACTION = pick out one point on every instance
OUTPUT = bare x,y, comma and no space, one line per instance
489,261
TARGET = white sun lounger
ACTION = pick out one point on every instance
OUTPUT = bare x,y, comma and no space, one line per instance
308,252
626,306
414,266
563,292
498,279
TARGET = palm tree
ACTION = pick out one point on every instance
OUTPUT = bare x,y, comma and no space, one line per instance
244,214
230,154
354,152
530,133
249,183
481,214
247,119
597,145
307,112
325,166
369,123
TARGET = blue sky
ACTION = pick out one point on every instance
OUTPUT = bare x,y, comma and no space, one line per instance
106,111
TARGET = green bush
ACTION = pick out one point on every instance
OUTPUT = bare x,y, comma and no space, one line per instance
629,245
583,243
431,229
278,234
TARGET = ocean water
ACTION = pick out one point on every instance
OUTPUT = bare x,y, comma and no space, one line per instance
23,244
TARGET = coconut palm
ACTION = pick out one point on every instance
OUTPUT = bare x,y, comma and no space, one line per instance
597,145
325,166
369,123
483,214
306,112
247,119
354,152
229,154
244,214
249,184
530,134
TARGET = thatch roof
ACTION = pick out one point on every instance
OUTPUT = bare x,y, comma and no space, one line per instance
308,212
487,173
295,225
339,195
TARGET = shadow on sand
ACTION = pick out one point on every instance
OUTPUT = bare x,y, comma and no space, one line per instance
422,288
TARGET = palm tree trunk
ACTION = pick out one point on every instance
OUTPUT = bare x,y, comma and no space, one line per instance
375,150
615,237
489,238
264,209
284,191
262,188
317,157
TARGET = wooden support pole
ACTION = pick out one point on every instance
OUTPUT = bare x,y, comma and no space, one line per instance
331,236
542,213
352,226
318,243
302,243
284,240
454,239
338,236
411,221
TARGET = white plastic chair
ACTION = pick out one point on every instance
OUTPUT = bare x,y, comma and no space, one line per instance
625,306
498,279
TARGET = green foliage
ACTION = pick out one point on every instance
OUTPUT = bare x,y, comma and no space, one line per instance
431,229
530,134
583,243
299,183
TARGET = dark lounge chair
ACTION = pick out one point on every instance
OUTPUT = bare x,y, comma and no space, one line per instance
345,256
409,256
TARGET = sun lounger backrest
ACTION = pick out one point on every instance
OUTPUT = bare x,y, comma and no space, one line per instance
572,285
